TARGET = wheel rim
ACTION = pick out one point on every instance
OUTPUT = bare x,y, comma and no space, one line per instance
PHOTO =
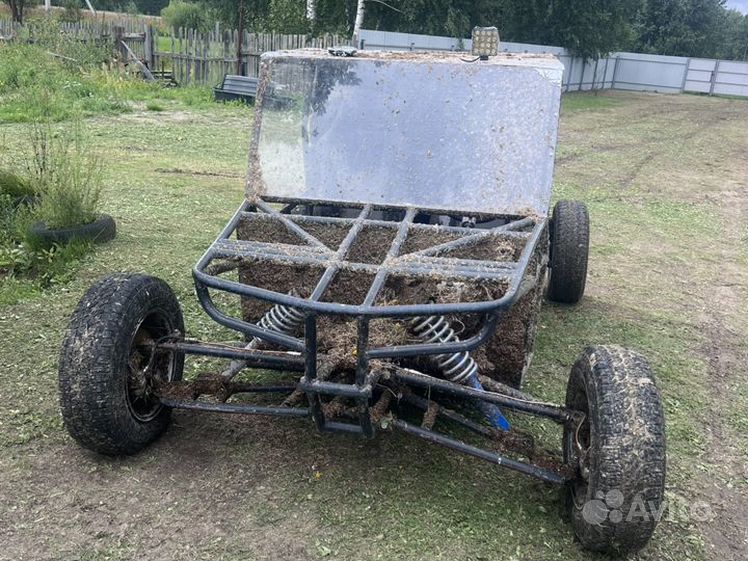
146,368
580,440
577,446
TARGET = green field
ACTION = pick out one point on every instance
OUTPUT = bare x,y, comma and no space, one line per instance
664,178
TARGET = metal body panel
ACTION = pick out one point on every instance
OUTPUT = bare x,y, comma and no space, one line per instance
423,130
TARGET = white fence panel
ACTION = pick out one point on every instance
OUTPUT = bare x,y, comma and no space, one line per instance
733,67
722,77
699,75
731,89
623,71
391,41
509,47
702,64
643,72
595,75
731,78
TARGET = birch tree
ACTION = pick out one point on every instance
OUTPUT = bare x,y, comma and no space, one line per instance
359,22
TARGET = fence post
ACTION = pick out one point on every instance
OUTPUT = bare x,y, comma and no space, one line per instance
685,76
605,72
240,38
615,70
226,52
571,69
188,52
148,49
119,35
206,59
594,75
239,41
713,78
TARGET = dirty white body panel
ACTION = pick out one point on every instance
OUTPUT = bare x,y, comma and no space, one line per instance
425,130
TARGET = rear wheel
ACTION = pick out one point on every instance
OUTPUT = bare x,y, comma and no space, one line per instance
618,450
109,372
569,249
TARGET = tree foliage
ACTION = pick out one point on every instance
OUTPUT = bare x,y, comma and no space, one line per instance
17,8
187,15
698,28
588,28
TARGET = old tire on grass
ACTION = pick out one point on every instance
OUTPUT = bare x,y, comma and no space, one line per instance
108,372
569,249
103,229
618,450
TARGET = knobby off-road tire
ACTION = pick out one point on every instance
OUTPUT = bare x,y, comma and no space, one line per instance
108,373
569,249
619,450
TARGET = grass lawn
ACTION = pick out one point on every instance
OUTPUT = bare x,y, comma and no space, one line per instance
664,178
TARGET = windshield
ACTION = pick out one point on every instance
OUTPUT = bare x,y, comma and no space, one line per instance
430,131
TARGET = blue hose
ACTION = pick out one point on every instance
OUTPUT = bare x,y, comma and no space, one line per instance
493,414
457,367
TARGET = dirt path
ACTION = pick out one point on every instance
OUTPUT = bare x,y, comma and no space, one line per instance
186,499
728,530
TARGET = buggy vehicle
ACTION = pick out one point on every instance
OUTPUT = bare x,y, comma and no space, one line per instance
385,273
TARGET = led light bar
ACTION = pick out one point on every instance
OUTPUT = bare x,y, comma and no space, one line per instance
485,42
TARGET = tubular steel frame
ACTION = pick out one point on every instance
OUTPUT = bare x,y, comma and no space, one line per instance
301,354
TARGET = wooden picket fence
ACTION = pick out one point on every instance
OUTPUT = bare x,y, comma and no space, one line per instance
86,27
7,28
204,58
186,55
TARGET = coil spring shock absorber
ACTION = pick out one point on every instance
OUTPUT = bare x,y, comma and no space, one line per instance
456,367
281,318
284,319
459,367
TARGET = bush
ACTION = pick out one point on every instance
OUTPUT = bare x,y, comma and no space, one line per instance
287,16
7,216
55,265
187,15
15,186
67,175
16,196
64,179
73,12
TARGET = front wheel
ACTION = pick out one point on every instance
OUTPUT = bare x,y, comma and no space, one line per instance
618,451
109,371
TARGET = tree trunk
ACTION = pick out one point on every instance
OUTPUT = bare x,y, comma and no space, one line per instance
240,38
311,10
311,16
16,10
360,9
